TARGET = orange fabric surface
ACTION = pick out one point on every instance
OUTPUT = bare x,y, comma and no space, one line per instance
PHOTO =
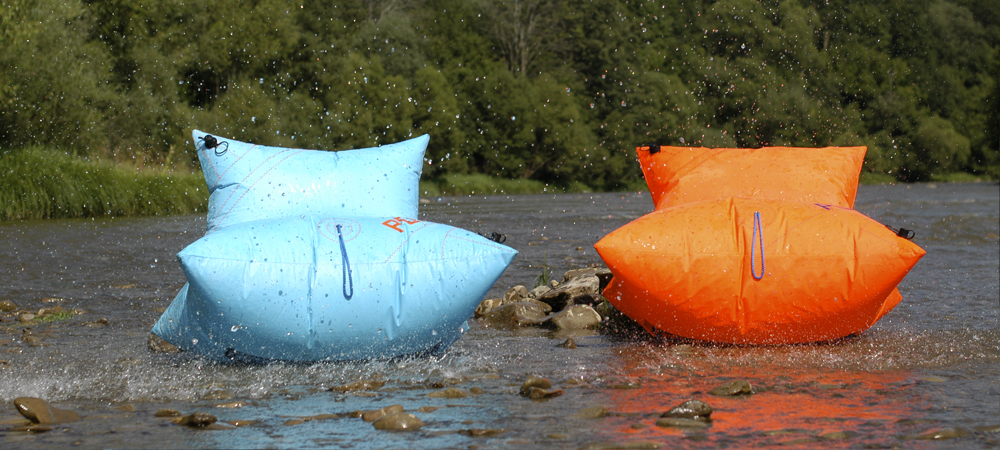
678,175
825,271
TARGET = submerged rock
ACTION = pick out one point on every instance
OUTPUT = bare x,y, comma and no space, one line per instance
157,344
363,385
691,409
40,412
733,388
680,423
196,420
569,343
371,416
168,413
449,393
593,412
399,421
8,306
543,394
942,433
534,382
483,432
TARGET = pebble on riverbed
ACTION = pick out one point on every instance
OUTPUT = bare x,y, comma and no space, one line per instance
373,415
196,420
534,382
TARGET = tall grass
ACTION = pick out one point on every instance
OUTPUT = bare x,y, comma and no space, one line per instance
478,184
38,184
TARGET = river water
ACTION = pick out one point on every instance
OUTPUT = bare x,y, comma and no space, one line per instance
931,366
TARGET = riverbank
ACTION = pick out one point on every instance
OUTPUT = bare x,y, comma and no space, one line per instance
44,184
36,183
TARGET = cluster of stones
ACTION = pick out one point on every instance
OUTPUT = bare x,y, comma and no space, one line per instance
574,300
10,311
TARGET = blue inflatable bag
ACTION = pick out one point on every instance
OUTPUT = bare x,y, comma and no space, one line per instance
250,182
310,289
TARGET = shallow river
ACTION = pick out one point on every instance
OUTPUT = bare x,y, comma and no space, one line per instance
931,366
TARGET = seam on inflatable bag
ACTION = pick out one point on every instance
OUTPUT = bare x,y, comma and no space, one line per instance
401,244
248,187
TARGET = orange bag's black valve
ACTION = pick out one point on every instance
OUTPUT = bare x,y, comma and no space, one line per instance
903,232
212,143
495,237
654,148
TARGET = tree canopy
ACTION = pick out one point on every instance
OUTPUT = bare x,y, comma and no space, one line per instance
559,91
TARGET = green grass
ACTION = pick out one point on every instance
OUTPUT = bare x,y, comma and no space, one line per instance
478,184
40,184
958,177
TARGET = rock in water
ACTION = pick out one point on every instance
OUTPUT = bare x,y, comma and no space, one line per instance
733,388
576,317
400,421
515,294
196,420
514,315
534,382
37,411
691,409
562,296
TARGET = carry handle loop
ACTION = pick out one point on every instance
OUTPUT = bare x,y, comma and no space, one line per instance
210,143
902,232
758,237
495,237
346,268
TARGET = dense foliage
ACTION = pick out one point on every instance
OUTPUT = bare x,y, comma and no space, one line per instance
557,91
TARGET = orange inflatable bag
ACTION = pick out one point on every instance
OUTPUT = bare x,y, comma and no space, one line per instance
679,175
755,271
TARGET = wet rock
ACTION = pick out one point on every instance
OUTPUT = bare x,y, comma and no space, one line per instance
514,315
33,341
543,394
562,296
242,423
576,317
128,407
291,422
569,343
196,420
8,306
988,429
553,283
220,394
363,385
399,421
428,409
168,413
942,433
78,312
538,291
673,422
483,432
156,344
691,409
486,306
40,412
733,388
587,271
515,294
545,306
371,416
534,382
593,412
449,393
25,317
476,390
